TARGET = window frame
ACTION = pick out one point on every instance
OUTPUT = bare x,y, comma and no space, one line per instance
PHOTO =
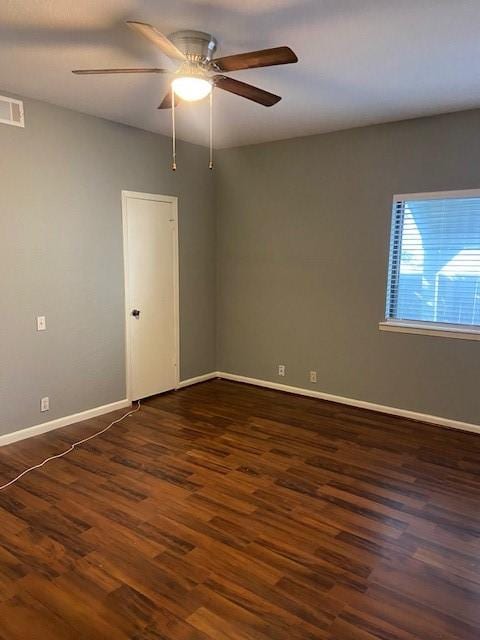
439,329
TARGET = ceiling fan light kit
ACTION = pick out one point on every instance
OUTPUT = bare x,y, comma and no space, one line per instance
193,80
191,88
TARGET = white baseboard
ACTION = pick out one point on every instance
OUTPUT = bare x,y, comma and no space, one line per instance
36,430
311,393
202,378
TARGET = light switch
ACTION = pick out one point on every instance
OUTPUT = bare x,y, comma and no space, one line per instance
41,323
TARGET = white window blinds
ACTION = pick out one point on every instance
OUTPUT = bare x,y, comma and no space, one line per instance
434,267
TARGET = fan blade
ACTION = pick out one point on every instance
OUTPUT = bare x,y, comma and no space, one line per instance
254,59
167,101
100,71
246,91
155,36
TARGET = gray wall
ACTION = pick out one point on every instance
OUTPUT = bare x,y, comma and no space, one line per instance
302,242
61,256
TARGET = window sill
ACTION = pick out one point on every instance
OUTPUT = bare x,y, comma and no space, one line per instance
431,329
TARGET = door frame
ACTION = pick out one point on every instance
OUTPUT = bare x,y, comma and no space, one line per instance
173,200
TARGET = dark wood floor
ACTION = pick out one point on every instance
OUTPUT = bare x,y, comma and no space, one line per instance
225,511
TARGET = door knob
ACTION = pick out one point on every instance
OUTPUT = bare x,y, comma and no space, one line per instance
136,313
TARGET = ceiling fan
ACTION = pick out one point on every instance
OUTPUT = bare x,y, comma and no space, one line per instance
193,79
198,72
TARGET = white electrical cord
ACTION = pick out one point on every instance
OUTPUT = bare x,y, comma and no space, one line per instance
72,447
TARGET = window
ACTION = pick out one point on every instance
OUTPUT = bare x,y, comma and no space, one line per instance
434,265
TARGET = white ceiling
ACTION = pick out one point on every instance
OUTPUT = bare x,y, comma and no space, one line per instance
360,61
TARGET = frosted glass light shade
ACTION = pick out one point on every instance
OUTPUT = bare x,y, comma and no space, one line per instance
191,88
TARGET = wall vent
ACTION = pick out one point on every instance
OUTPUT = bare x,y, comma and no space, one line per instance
11,112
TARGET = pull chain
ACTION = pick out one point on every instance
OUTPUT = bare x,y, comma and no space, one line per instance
210,165
174,150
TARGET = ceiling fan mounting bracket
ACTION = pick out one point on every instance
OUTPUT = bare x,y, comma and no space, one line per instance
198,46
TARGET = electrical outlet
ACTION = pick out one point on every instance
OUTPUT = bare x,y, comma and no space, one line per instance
281,369
41,323
313,376
44,404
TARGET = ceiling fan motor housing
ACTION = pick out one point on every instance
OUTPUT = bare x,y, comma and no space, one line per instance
198,46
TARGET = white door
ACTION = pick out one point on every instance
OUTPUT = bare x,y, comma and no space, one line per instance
151,293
